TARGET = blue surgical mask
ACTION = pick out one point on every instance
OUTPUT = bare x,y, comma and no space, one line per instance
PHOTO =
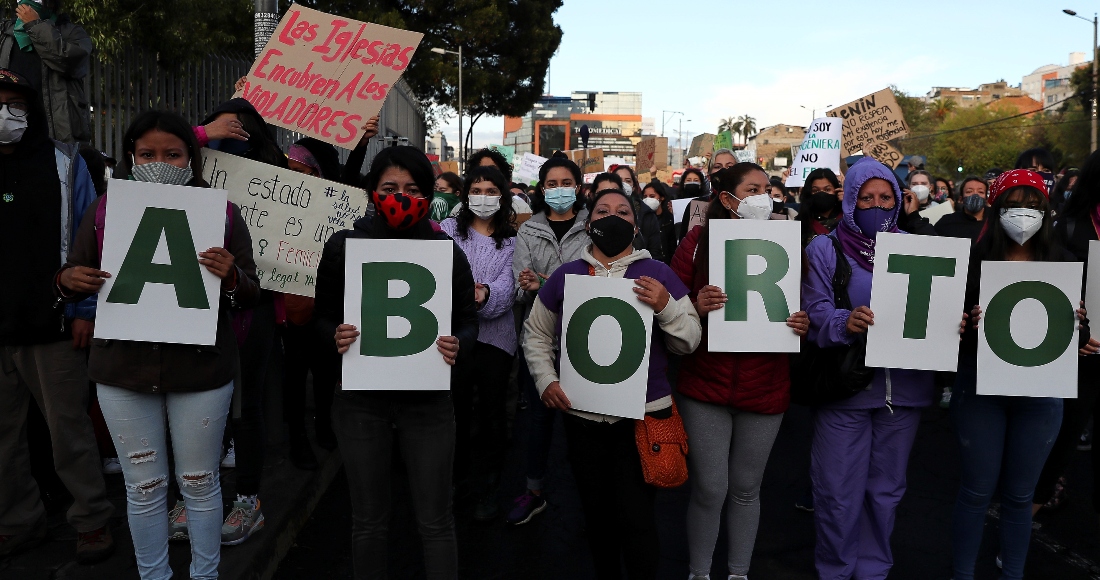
560,199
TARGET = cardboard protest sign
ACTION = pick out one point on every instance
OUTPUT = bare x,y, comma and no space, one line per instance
323,76
606,335
506,151
744,156
917,291
724,140
158,291
1027,337
758,264
1092,289
869,120
820,148
650,154
527,171
702,145
590,163
609,161
289,214
448,166
664,176
398,294
590,177
884,153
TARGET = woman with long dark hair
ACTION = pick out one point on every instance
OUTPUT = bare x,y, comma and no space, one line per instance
483,230
189,386
1003,441
819,204
656,197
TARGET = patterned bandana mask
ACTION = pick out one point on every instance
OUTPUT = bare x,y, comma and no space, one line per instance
401,211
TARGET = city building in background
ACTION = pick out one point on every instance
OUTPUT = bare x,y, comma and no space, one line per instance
614,121
983,95
1050,84
772,145
437,145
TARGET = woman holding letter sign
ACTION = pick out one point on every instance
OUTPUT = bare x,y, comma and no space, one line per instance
860,445
138,381
400,185
995,432
733,403
618,504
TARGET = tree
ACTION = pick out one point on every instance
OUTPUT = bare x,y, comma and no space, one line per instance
960,140
726,124
748,127
920,122
942,107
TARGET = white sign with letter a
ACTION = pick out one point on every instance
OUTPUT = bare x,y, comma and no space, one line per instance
917,294
758,264
1027,337
398,293
158,291
605,339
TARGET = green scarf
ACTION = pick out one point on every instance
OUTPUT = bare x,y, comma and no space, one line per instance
21,35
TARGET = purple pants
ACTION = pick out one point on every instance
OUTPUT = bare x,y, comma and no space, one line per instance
858,464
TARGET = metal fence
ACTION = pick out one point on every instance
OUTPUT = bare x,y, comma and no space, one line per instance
120,88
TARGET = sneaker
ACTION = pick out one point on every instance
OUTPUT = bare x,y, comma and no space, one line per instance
94,546
524,508
1085,443
11,544
230,459
177,523
243,521
945,401
111,466
805,503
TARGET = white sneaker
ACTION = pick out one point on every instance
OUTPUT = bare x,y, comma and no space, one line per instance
111,466
230,459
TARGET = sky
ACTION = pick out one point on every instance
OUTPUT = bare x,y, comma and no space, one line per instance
713,59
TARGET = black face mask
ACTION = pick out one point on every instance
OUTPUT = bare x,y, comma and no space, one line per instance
692,189
611,234
778,206
822,202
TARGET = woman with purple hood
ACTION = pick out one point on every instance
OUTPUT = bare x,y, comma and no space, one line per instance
861,444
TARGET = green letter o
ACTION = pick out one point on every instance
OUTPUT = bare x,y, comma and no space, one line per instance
1060,323
633,345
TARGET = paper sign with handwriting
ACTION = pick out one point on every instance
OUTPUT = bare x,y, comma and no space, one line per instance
820,148
869,120
590,163
651,154
289,214
323,76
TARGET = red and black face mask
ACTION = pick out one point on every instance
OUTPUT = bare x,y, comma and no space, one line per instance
401,211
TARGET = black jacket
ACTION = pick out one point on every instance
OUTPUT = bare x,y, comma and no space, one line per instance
649,231
329,306
960,225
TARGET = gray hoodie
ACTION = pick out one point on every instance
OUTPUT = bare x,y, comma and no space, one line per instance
537,248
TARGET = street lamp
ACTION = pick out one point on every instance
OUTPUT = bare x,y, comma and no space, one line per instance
461,137
1094,54
813,112
683,154
664,122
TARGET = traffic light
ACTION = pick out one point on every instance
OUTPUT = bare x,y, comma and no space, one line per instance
591,101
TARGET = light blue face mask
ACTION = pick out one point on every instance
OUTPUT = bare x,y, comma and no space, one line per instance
560,199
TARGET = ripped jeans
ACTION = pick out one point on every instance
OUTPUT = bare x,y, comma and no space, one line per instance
137,425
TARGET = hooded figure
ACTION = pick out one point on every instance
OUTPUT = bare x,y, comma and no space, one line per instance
261,144
861,445
318,155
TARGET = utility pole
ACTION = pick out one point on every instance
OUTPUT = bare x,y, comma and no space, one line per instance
266,20
1095,53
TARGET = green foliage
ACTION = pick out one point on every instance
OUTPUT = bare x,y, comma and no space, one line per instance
978,149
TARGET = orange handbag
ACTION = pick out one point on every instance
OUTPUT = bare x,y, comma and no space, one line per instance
663,447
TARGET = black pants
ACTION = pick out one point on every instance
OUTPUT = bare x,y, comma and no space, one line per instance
247,429
480,398
366,424
304,353
618,504
1075,415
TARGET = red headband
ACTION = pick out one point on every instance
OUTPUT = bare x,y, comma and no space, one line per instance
1017,178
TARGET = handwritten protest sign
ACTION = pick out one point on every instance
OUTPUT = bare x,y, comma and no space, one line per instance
724,140
651,153
820,148
289,214
448,166
744,156
158,291
702,145
885,153
506,151
527,170
398,294
592,163
869,120
323,76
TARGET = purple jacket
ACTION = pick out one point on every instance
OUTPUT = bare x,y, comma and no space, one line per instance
552,295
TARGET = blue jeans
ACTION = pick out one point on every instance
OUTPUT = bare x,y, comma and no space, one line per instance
1004,439
540,429
137,425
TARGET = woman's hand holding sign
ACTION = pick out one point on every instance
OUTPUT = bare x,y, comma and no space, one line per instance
554,398
710,298
82,279
220,263
346,334
1093,345
800,322
652,292
448,347
860,319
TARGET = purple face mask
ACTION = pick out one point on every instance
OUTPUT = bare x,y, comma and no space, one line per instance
872,220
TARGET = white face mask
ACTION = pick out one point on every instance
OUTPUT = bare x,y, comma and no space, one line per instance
652,203
921,191
1021,223
755,207
628,189
11,127
484,206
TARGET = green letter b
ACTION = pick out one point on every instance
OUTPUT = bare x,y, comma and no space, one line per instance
633,345
920,269
1060,323
377,306
739,283
138,269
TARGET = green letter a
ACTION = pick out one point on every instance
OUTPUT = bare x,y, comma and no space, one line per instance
378,306
739,283
138,269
